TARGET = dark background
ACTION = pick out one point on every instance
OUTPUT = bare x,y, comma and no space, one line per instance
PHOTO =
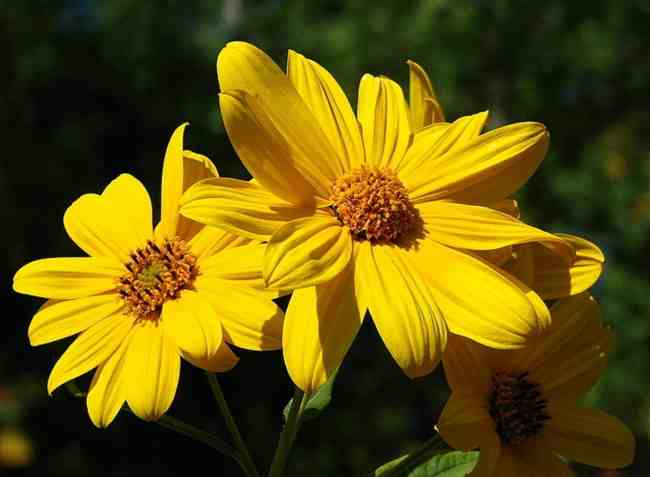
91,89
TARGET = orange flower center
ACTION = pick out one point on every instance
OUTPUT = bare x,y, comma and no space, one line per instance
374,204
517,406
156,274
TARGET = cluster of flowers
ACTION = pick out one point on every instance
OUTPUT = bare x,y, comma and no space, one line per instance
391,210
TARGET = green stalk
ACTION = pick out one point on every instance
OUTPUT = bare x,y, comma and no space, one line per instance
288,435
426,451
246,460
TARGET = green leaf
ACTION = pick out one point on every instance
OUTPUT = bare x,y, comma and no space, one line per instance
449,464
317,402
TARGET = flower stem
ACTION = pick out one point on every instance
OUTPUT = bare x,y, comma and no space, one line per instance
431,447
288,435
246,460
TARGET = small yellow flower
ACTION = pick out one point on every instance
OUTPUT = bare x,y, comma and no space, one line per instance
519,407
363,214
144,299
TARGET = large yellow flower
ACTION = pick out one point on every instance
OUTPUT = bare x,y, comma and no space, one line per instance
360,213
144,299
519,407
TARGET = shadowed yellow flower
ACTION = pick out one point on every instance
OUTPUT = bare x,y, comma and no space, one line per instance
144,299
362,214
519,407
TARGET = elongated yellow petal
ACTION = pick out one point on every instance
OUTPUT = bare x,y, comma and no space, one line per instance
489,168
102,228
320,325
480,301
241,207
465,422
193,325
306,252
404,310
465,366
223,360
554,278
89,349
431,144
66,278
60,319
383,115
242,66
490,457
330,107
211,240
590,437
172,183
126,195
152,370
237,267
107,391
249,320
423,104
473,227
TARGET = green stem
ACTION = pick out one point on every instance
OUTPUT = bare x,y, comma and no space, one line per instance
195,433
246,460
288,435
427,450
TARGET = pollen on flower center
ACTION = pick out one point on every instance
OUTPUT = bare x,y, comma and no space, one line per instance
374,204
156,273
517,406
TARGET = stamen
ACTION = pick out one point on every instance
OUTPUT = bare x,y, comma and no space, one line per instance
517,406
156,274
374,204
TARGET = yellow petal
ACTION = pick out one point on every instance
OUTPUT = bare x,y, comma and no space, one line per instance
431,145
473,227
193,325
102,228
307,252
571,356
330,107
152,370
480,301
107,391
465,422
320,325
241,207
590,437
490,458
172,183
210,241
554,278
236,267
223,360
486,169
242,66
384,121
404,310
90,349
424,106
196,167
60,319
249,320
127,195
66,278
465,366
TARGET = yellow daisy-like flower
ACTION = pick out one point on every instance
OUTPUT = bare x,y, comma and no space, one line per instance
144,299
362,214
519,407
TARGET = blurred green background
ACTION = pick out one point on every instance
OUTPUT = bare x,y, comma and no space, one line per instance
91,89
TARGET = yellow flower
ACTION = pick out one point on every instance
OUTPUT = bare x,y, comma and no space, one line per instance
144,299
519,407
360,213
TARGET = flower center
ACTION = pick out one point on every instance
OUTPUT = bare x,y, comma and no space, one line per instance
517,406
156,274
374,204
